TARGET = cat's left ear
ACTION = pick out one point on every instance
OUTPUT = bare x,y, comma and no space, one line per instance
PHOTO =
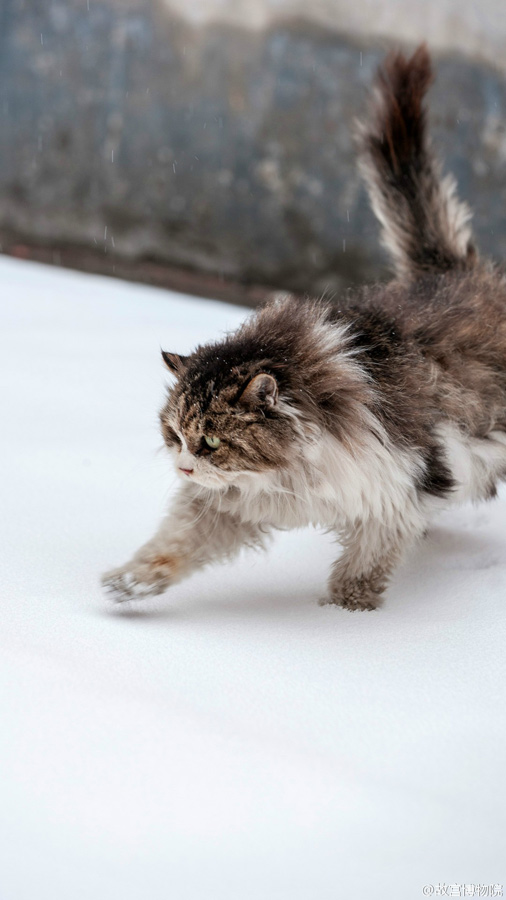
262,390
174,362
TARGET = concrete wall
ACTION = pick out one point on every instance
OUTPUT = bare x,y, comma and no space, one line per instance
469,27
217,136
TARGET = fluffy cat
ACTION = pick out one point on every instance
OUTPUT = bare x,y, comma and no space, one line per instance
363,417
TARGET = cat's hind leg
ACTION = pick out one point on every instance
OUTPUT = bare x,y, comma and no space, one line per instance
371,551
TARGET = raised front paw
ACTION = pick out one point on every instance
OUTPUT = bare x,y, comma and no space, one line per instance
359,593
143,578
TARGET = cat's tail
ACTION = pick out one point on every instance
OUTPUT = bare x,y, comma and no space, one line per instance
425,226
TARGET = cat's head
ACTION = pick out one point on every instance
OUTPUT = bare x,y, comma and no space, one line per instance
255,402
226,420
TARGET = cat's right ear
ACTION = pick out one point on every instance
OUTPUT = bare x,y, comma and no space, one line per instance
174,362
262,390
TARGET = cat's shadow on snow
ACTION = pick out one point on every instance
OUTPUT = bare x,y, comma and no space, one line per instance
450,548
228,603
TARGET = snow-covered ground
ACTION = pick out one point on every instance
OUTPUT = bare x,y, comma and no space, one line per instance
237,742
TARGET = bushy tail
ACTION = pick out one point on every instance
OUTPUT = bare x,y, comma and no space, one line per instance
425,227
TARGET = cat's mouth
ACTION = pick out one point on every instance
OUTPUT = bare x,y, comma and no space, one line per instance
211,480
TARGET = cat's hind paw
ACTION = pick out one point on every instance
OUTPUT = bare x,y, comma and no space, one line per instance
354,595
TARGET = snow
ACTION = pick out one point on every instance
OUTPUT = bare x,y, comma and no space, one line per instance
236,740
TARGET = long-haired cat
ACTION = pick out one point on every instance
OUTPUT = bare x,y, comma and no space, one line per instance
362,417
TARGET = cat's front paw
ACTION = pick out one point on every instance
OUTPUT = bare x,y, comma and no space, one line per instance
140,579
355,594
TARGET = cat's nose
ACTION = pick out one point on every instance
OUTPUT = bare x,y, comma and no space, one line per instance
186,471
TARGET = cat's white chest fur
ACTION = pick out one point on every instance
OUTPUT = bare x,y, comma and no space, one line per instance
331,486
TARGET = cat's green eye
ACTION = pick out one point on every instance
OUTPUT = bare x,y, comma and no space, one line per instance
212,442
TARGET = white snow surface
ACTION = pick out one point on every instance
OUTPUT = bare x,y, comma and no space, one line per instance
235,741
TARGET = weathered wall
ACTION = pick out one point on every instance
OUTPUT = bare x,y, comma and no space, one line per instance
473,27
214,145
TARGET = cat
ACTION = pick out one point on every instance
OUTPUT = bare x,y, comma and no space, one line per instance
364,416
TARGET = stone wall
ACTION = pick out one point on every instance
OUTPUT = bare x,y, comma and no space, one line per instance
222,141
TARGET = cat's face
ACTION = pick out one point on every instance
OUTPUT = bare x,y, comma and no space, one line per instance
223,429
